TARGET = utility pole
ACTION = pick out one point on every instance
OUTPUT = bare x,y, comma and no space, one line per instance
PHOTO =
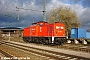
44,10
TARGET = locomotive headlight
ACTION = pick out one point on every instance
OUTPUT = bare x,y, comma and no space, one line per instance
62,27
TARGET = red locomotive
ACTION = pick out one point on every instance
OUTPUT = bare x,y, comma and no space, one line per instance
45,33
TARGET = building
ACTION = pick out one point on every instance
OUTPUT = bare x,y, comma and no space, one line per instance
11,31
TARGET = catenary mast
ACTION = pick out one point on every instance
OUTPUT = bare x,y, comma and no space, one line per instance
44,11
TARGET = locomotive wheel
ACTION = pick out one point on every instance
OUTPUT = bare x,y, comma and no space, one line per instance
56,42
46,42
26,40
37,41
60,42
40,42
29,40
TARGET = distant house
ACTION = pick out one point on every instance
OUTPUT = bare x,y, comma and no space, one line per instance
11,31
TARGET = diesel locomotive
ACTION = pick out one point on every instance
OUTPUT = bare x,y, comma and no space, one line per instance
45,33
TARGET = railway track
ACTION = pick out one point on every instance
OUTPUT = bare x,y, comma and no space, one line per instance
73,47
6,55
47,53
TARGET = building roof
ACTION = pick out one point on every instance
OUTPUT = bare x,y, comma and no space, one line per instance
11,28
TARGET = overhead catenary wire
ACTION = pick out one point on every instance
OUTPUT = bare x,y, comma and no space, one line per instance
44,10
28,9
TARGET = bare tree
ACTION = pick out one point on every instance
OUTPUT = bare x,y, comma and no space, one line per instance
65,15
0,35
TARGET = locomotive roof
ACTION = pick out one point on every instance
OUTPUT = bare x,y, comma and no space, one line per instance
41,21
33,23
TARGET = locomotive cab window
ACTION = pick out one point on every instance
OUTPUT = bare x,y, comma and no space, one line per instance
34,24
40,24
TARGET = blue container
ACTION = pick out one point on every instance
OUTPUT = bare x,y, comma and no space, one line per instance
88,35
78,33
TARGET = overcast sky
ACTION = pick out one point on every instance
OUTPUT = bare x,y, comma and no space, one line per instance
9,15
